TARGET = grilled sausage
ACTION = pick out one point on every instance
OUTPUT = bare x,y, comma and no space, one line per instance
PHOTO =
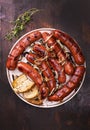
60,53
71,45
69,68
35,76
40,50
69,86
57,67
49,76
45,69
43,51
19,48
31,57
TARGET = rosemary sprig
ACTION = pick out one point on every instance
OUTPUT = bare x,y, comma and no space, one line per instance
20,23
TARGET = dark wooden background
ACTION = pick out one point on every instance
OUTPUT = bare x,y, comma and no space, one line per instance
71,16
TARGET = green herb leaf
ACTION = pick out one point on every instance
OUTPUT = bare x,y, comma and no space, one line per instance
20,23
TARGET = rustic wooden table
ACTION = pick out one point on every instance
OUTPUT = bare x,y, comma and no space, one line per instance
71,16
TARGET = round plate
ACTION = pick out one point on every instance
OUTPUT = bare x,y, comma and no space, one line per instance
46,104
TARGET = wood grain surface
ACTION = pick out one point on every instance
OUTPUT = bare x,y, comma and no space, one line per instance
71,16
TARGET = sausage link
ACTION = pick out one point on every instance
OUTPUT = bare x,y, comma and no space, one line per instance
60,53
49,76
31,57
69,68
80,71
46,70
71,45
44,67
70,85
43,51
40,50
60,94
13,57
57,67
48,38
11,62
35,76
76,78
20,47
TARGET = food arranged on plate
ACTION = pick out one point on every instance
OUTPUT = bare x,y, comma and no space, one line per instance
45,66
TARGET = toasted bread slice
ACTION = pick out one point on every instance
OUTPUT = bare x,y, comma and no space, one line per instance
32,93
19,80
25,86
37,100
22,84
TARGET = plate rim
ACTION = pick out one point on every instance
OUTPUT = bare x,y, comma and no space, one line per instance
42,106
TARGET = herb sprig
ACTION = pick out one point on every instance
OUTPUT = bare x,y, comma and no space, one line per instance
20,23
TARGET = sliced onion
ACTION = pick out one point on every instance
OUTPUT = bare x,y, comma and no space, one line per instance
62,46
48,38
35,67
56,74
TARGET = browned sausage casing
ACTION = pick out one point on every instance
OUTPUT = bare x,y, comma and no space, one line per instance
40,50
71,45
31,57
35,76
49,76
43,51
69,86
19,48
57,67
45,69
69,68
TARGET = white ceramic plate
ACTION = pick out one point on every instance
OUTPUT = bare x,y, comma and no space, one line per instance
46,104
